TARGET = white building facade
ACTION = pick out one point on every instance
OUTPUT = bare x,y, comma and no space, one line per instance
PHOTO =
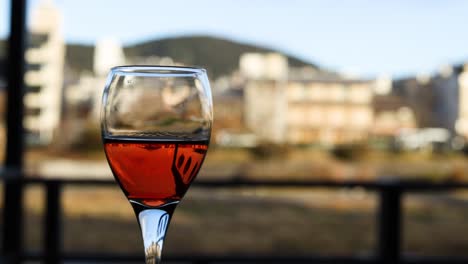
44,57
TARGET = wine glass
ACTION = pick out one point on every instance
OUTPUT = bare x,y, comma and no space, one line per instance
156,126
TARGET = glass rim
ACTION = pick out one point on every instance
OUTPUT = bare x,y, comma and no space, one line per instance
157,69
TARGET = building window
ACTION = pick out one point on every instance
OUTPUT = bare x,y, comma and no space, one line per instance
36,40
32,111
33,88
33,67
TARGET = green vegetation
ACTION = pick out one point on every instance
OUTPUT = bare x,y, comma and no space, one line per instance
79,57
270,151
349,152
3,46
3,51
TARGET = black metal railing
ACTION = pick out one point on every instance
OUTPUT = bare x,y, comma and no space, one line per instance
389,216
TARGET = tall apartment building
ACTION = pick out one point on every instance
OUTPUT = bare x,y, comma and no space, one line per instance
44,73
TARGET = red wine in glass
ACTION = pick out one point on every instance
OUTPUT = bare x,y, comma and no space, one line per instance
154,173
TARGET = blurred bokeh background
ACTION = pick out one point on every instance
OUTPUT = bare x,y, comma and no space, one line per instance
303,90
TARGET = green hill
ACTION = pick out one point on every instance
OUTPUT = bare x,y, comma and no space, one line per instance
218,56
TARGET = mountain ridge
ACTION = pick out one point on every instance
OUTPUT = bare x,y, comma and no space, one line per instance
220,56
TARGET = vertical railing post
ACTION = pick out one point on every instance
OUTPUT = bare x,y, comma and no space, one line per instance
13,220
53,223
389,219
13,194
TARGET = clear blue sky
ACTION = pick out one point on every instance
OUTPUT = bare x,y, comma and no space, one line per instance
367,37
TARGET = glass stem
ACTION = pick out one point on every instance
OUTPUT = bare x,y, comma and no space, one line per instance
153,224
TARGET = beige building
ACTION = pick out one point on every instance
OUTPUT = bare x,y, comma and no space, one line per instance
265,107
44,73
461,126
312,109
329,111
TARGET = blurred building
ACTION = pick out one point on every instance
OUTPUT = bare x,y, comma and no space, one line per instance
433,99
2,110
88,90
228,107
445,89
462,121
108,53
392,116
257,66
318,108
329,111
44,73
265,104
417,94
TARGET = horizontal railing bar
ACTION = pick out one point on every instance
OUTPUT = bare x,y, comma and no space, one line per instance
434,260
377,185
403,185
237,258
